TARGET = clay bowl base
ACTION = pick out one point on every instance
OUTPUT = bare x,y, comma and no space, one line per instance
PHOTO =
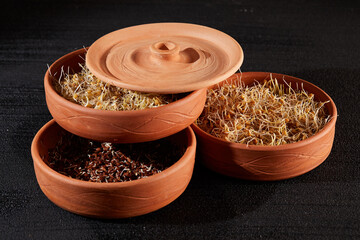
112,200
269,163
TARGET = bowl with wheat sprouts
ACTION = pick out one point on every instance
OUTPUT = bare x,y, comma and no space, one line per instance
88,107
265,126
108,180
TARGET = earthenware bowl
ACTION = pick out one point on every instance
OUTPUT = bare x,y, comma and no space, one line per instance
267,163
118,126
112,200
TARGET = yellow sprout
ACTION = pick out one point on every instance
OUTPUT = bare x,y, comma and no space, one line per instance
87,90
271,113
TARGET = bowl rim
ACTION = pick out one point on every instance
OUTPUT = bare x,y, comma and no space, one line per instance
327,128
38,161
49,90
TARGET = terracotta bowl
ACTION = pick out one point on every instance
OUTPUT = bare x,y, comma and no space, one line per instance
118,126
112,200
267,163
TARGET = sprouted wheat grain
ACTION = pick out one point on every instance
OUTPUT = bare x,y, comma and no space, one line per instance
87,90
264,114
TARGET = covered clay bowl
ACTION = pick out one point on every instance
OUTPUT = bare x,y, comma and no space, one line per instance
266,163
112,200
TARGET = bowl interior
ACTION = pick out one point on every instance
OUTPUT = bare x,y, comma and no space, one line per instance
48,139
251,78
68,64
50,135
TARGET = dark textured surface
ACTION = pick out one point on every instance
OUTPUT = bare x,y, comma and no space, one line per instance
314,40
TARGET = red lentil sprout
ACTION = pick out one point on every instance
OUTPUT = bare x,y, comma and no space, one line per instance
92,161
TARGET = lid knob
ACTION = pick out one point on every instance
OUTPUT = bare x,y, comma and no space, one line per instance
166,50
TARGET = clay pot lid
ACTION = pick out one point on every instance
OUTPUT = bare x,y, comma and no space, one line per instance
164,57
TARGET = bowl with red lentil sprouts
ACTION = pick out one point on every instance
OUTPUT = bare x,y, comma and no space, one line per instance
111,180
265,126
88,107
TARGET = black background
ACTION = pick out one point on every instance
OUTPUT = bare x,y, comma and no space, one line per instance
314,40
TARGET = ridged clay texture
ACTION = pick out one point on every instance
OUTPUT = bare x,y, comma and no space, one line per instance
269,163
118,126
165,57
112,200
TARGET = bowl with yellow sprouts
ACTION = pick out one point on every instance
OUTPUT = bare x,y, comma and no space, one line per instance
265,126
86,106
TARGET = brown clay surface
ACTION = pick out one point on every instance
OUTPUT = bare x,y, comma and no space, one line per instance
118,126
164,57
112,200
267,163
